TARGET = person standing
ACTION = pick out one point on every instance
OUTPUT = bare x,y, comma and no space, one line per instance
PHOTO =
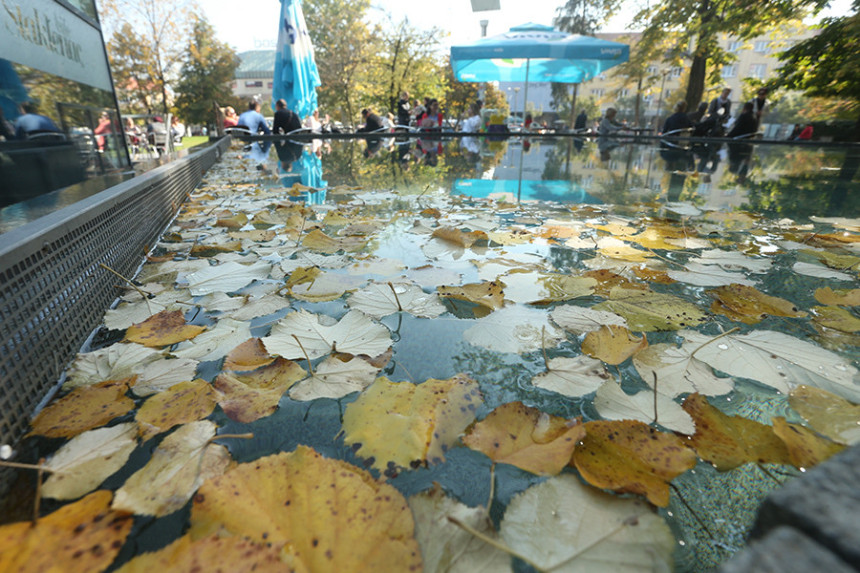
253,120
721,107
403,107
759,105
285,120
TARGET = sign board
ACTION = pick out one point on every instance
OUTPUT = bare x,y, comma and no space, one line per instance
484,5
44,35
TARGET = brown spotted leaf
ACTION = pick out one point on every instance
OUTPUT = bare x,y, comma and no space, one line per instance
316,240
162,329
488,294
749,305
249,355
806,448
185,402
648,311
83,409
613,344
525,437
462,238
253,395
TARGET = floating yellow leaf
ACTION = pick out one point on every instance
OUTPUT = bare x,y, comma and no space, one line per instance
834,260
542,288
488,294
213,250
303,275
653,275
841,297
335,516
82,536
316,240
654,237
806,448
837,318
213,553
181,462
749,305
618,249
525,437
629,456
613,344
647,311
607,280
462,238
232,220
249,355
827,413
83,409
185,402
731,441
254,395
410,424
162,329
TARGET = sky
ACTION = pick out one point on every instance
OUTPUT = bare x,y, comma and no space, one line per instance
454,16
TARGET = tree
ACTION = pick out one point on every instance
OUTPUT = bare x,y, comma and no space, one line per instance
130,61
695,26
207,71
826,65
147,41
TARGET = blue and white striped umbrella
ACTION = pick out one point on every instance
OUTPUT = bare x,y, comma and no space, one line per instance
296,75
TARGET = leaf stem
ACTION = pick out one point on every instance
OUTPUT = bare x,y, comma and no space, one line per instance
299,342
765,471
492,486
655,396
490,541
131,284
396,298
543,346
600,539
726,333
690,509
19,465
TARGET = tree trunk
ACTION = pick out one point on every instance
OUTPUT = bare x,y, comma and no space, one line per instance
696,81
638,99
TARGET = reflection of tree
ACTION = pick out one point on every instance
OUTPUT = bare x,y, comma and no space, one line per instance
49,90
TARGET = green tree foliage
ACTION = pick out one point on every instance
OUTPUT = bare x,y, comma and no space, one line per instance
146,46
827,65
206,73
694,28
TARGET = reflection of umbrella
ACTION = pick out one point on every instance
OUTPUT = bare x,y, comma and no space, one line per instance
296,75
537,53
516,190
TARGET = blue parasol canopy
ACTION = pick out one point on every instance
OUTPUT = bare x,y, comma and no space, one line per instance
296,75
536,53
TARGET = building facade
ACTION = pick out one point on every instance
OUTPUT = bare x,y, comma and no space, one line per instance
255,76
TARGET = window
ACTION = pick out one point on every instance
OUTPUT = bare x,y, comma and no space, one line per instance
253,84
758,71
623,93
652,70
601,76
598,92
734,46
730,71
667,94
676,72
762,46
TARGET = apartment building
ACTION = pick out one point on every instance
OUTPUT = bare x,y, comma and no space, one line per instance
255,75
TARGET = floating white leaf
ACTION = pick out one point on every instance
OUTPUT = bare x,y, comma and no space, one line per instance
259,306
573,377
544,288
355,333
514,329
732,260
216,343
613,403
579,320
679,372
709,275
227,277
136,312
334,378
820,272
162,374
382,299
112,363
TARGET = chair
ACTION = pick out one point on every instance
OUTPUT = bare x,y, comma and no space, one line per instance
46,135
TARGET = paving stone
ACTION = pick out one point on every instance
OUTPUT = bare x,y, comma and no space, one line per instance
824,505
785,550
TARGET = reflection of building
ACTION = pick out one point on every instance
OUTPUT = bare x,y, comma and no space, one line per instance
55,61
255,75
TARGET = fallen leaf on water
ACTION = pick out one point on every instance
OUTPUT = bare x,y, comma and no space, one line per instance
214,344
226,277
579,320
841,297
699,274
618,249
647,311
653,275
231,220
607,280
381,299
628,456
525,437
83,463
213,553
730,441
517,329
459,237
406,425
82,536
335,516
806,448
835,260
820,272
827,413
488,294
835,317
316,240
181,462
445,546
185,402
543,288
253,395
564,526
612,344
249,355
326,286
572,377
259,306
335,378
162,374
112,363
83,409
678,371
749,305
355,333
162,329
612,403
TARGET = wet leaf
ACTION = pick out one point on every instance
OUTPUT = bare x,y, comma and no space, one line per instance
841,297
516,329
648,311
820,272
827,413
326,286
806,448
525,437
260,306
708,275
631,457
404,424
249,355
655,237
612,344
446,547
776,359
226,277
179,465
82,536
835,317
355,333
459,237
612,403
213,553
580,320
128,314
678,371
83,409
733,260
335,516
835,260
564,526
542,288
607,280
112,363
162,329
214,344
162,374
83,463
653,275
381,299
572,377
618,249
335,378
488,294
731,441
185,402
749,305
316,240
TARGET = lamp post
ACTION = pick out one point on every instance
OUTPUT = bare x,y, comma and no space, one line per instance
516,94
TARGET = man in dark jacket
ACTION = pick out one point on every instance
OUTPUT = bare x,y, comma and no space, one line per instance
403,116
285,120
746,123
372,122
678,120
